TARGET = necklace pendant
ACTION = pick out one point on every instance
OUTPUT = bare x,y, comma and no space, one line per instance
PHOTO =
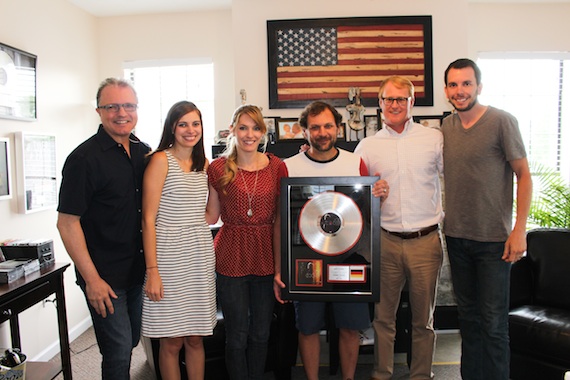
249,212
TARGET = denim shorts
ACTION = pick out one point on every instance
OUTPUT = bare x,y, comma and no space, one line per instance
311,316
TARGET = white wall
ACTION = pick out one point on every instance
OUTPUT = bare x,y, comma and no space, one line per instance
173,36
75,51
64,39
517,27
250,40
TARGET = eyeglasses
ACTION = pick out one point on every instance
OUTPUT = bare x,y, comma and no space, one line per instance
115,107
400,101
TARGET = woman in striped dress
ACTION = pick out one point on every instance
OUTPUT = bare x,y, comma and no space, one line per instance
179,304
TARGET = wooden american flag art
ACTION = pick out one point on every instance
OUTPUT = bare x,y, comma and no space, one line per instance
320,59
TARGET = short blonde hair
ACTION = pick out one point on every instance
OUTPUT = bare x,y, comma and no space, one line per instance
399,82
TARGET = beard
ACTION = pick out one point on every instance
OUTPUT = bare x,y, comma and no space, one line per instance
468,107
322,145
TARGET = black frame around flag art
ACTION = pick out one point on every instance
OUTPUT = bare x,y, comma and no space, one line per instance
321,59
330,239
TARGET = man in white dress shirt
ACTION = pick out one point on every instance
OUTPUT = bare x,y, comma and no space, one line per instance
409,157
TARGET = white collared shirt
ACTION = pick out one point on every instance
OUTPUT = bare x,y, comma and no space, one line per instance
412,163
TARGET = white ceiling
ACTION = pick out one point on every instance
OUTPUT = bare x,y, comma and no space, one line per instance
105,8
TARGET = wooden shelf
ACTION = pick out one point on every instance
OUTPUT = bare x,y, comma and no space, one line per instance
27,291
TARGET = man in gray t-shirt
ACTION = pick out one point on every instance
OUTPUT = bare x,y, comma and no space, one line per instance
482,149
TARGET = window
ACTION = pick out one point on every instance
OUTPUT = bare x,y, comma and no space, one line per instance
160,84
535,88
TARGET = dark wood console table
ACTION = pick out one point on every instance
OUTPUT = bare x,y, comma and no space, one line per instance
27,291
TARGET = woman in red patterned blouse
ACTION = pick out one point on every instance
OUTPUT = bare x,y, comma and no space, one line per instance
244,189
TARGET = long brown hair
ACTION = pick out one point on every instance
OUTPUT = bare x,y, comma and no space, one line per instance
176,112
231,169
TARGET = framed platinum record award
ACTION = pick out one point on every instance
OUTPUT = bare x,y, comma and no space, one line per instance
330,239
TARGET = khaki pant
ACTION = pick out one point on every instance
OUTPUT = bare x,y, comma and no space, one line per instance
417,261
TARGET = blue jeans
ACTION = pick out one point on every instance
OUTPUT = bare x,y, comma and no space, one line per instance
118,333
247,304
481,281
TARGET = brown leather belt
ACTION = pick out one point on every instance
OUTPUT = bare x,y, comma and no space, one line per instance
415,234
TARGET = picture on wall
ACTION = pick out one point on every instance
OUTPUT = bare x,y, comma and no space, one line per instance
341,132
431,121
17,84
5,180
289,129
372,124
37,171
270,123
320,59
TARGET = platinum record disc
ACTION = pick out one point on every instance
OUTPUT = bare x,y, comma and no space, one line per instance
330,223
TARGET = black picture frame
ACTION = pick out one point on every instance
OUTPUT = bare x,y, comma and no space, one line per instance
431,121
402,45
341,134
350,270
370,125
288,129
271,122
5,167
17,84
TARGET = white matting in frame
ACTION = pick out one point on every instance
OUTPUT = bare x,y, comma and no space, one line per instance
37,171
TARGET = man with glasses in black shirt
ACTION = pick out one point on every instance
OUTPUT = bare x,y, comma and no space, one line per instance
100,224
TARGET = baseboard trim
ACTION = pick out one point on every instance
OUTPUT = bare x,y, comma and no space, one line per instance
53,349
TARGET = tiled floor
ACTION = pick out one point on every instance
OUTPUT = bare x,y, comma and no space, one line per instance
446,361
85,360
447,350
448,347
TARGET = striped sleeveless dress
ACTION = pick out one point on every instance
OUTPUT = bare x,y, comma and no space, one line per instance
185,257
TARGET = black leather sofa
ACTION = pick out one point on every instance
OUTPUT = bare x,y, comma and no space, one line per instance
281,355
539,319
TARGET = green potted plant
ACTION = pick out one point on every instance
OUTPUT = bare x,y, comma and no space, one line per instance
550,206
